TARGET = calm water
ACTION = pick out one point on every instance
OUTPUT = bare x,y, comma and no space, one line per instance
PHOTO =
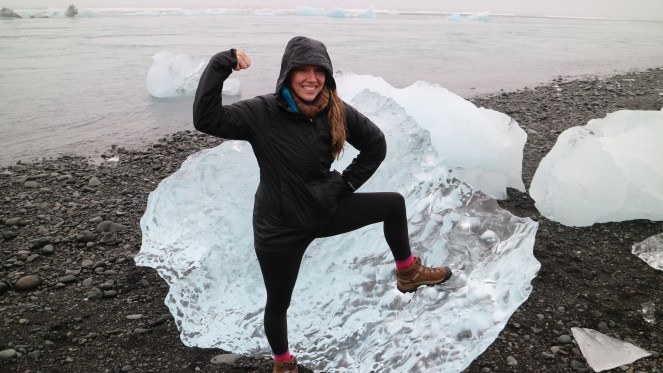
77,86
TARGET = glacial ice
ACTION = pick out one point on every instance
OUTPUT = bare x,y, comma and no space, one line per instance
651,251
346,313
334,12
483,147
607,170
604,352
173,75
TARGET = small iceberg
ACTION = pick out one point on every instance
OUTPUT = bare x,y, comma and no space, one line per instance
608,170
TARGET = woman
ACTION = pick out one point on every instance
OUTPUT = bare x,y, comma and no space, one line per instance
296,134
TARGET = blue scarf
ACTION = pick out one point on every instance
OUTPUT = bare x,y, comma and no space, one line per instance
287,96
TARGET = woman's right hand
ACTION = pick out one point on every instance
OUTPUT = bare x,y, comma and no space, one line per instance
243,61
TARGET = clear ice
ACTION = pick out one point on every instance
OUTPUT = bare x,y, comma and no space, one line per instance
483,147
651,251
607,170
346,313
173,75
604,352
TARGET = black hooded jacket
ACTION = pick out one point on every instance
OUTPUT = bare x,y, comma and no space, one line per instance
297,194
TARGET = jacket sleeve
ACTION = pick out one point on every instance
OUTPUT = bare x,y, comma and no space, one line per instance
366,137
209,115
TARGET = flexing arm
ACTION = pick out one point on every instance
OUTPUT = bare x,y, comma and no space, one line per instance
366,137
209,115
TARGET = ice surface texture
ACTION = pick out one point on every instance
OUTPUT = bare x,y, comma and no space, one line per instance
173,75
346,314
607,170
482,146
603,352
651,251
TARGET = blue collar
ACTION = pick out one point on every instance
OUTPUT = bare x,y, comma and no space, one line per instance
287,96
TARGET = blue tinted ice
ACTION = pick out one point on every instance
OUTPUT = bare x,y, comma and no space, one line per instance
346,313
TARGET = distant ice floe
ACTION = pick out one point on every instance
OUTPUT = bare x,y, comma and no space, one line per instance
173,75
604,352
480,17
607,170
335,12
483,147
346,313
651,251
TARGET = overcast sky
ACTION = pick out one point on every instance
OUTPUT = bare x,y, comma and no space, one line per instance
616,9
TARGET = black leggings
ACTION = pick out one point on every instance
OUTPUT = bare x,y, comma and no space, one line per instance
279,270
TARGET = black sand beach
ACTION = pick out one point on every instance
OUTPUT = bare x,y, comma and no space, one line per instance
72,299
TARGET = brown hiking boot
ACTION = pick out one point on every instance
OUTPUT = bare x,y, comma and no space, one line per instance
289,366
410,278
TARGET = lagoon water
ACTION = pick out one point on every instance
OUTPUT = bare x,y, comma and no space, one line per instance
78,85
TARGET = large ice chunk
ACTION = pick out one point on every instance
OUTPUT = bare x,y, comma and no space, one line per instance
173,75
607,170
346,312
651,251
482,146
604,352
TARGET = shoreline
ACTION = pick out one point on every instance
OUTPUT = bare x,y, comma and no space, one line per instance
97,156
89,308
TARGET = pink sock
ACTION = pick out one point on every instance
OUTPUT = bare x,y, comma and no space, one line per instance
283,357
405,263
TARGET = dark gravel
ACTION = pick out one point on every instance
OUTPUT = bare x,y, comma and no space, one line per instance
72,300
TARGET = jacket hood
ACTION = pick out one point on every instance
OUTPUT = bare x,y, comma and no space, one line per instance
302,51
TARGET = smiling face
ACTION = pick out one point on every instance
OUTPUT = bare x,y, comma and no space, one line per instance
307,81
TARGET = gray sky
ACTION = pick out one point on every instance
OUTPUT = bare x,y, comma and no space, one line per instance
615,9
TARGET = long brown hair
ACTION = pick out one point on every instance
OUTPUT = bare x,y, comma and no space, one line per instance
336,123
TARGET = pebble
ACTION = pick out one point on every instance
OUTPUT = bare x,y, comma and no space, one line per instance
85,236
4,287
511,361
12,221
225,359
94,181
87,263
134,317
95,293
7,354
27,283
110,227
48,250
68,279
564,339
